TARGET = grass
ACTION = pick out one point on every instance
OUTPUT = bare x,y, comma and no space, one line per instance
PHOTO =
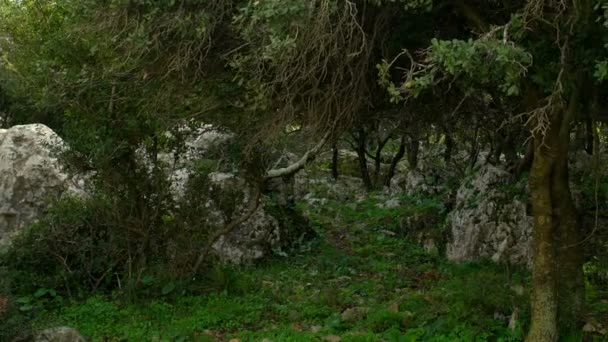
303,298
357,281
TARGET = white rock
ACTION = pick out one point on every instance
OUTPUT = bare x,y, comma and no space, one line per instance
30,176
251,240
486,223
62,334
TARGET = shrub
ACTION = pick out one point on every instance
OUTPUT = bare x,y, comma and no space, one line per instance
72,248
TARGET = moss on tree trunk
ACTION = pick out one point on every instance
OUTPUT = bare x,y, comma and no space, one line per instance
558,284
544,291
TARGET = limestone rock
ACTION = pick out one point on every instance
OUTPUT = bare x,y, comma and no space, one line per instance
30,176
251,240
62,334
198,144
489,221
228,196
259,236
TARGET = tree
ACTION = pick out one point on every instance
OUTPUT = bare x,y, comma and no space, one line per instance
555,35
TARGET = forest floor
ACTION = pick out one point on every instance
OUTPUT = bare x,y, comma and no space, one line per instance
358,281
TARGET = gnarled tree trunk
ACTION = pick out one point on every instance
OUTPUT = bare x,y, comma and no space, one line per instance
558,284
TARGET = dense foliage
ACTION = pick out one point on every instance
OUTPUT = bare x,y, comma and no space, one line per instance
127,81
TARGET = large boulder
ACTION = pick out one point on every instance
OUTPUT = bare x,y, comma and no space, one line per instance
491,219
230,199
30,176
227,197
273,227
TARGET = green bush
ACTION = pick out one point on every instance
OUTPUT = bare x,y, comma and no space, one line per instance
71,249
13,321
85,245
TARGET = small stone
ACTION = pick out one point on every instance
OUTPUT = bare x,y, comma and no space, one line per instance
589,327
61,334
394,307
388,232
430,246
514,319
315,329
354,314
518,289
392,203
332,338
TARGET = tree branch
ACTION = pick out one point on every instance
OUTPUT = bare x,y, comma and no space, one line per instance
297,166
229,228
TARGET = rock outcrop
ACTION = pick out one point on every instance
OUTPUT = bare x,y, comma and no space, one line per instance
197,144
253,239
491,219
30,176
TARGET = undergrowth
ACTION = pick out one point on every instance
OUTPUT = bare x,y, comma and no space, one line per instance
356,280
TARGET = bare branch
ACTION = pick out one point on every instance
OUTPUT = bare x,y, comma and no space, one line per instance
297,166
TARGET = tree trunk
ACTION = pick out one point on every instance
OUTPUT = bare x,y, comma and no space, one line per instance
558,283
571,285
526,162
377,165
449,147
412,153
396,158
334,162
544,283
360,140
571,289
588,134
474,154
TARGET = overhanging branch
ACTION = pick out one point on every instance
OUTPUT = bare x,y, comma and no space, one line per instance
297,166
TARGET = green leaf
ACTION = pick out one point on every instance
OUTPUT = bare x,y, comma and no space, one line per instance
41,292
170,287
27,307
24,300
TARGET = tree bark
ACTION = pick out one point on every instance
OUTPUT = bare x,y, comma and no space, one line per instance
558,282
396,158
360,141
526,162
412,152
588,134
544,275
449,147
571,284
334,163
